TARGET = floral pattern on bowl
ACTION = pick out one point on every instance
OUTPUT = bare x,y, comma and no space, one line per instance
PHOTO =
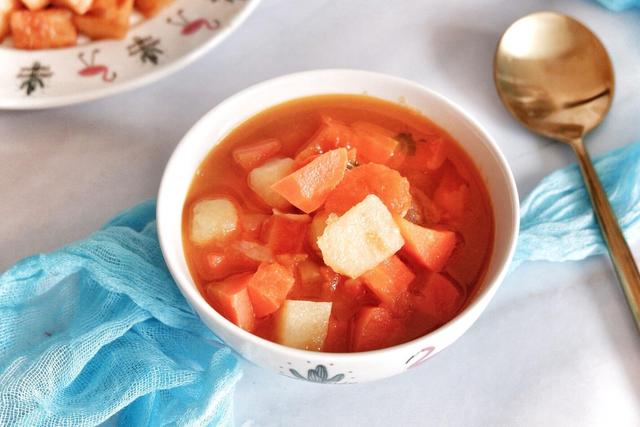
152,49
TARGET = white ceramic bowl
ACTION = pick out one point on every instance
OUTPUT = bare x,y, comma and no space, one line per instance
331,367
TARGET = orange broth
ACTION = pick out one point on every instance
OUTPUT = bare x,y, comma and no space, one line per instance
294,123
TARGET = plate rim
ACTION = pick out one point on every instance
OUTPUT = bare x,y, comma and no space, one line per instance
154,75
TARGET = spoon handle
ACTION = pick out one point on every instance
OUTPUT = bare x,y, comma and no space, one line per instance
625,266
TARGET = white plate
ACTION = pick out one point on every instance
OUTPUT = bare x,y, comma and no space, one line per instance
152,49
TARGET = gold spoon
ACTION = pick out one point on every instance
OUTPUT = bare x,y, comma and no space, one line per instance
554,75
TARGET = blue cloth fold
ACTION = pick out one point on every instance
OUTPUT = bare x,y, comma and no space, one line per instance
619,5
99,327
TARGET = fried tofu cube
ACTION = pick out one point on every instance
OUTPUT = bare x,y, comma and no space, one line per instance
43,29
6,7
106,19
303,324
78,6
360,239
213,220
35,4
263,177
150,8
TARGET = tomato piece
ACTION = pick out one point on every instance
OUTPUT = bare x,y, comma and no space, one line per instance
252,225
374,143
451,195
331,134
337,340
269,287
231,299
282,232
389,280
253,155
386,183
239,257
373,328
308,187
431,248
439,298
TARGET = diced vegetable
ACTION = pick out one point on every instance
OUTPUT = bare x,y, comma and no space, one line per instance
374,143
389,280
6,8
107,19
431,248
439,298
253,155
252,224
451,195
362,238
263,177
239,257
284,233
151,8
42,29
423,210
77,6
35,4
309,273
318,224
331,134
437,149
269,287
303,324
231,299
386,183
213,220
308,187
337,340
373,328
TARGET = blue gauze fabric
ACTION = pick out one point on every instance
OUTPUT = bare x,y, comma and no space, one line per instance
619,5
99,327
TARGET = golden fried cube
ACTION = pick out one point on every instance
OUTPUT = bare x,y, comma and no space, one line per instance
107,19
42,29
151,7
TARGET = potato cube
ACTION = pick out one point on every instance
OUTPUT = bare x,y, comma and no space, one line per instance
360,239
6,7
303,324
263,177
42,29
35,4
150,8
106,19
78,6
213,220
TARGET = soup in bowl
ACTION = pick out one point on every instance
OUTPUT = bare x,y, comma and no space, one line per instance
337,226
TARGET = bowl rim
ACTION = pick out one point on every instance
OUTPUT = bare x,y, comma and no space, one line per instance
193,295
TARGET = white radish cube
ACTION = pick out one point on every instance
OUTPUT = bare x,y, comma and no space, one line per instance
303,324
213,220
263,177
360,239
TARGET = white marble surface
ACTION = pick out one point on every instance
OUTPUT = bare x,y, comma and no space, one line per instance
556,347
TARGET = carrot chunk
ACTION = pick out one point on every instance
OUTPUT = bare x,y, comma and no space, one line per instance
269,287
282,232
308,187
386,183
337,340
451,195
431,248
373,328
231,299
439,298
253,155
374,143
331,134
389,280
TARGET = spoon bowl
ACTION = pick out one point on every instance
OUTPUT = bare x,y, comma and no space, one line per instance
554,75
